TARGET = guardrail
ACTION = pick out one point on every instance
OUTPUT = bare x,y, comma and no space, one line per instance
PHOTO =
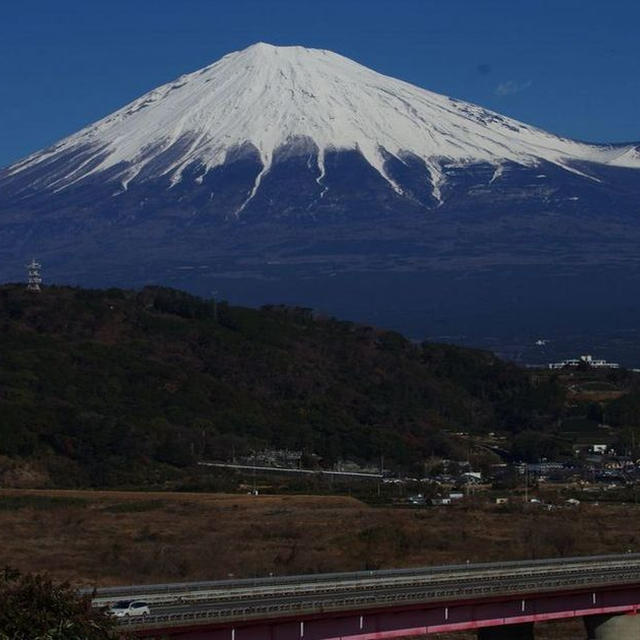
357,576
373,584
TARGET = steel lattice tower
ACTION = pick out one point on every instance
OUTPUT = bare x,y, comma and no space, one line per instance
35,279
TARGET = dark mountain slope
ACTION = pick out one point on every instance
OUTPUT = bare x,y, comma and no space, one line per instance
102,387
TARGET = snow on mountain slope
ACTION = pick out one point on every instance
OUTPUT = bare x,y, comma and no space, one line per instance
267,96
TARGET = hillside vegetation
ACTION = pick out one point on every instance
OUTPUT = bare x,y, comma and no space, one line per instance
113,387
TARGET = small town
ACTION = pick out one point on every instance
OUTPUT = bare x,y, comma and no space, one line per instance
596,473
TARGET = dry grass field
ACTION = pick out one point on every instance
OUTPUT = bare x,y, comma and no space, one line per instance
106,538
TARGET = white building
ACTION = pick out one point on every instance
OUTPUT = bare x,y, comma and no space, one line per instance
586,359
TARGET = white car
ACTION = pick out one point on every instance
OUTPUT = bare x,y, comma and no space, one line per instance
126,608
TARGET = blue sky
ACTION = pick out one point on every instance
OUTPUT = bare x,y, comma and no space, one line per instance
571,67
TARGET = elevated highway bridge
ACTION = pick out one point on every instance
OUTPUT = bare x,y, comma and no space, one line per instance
501,600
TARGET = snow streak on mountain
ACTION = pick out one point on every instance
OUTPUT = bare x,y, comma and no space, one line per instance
267,97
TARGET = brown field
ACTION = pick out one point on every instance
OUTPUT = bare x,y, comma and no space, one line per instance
107,538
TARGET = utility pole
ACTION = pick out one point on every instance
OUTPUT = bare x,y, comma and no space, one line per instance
466,488
255,487
215,305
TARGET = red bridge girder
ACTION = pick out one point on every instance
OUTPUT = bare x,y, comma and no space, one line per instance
416,619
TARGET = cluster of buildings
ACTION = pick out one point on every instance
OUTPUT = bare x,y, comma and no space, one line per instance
585,360
449,498
595,467
285,458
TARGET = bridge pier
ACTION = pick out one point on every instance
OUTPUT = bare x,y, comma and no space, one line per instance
612,627
507,632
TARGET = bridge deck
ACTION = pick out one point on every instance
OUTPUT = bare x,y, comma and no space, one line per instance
445,597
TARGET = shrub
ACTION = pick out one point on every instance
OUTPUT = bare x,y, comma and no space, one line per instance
32,606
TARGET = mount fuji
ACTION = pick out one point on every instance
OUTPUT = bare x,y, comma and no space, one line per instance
286,174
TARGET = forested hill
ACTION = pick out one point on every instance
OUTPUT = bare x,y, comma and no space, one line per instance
96,386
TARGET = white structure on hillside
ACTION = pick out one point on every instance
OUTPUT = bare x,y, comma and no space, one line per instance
586,359
35,279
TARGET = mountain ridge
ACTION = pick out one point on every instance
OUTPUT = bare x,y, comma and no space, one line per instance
103,387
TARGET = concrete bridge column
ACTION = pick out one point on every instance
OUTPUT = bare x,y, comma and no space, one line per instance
612,627
507,632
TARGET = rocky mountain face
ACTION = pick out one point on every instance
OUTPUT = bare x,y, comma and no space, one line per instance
295,175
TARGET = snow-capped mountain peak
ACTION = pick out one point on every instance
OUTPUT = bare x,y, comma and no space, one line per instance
268,96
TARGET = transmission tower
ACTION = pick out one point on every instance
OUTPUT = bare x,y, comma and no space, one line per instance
35,280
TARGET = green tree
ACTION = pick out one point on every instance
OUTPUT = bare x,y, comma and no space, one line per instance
32,607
